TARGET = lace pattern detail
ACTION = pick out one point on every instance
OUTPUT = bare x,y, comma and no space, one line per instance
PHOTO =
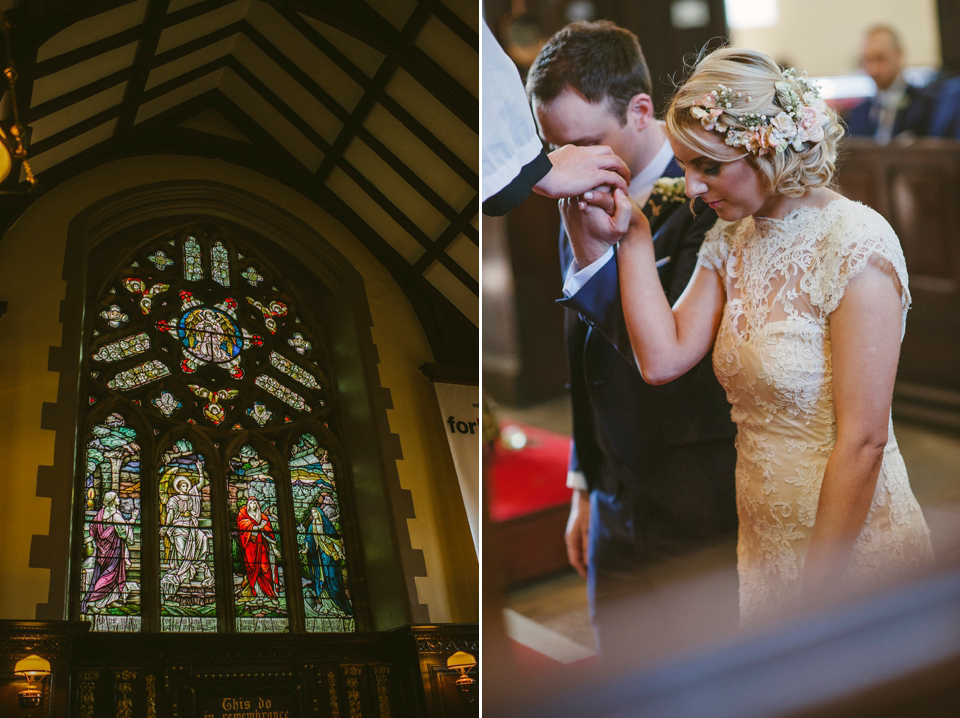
772,355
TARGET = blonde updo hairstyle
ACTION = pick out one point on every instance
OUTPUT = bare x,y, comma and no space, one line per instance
753,75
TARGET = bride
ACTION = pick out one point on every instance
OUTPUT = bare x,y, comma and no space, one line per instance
802,296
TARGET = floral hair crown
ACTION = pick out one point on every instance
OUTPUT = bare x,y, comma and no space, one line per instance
801,120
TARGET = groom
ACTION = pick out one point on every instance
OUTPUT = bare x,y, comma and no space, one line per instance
652,468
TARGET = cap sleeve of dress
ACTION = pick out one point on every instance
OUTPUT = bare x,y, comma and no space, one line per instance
715,248
858,236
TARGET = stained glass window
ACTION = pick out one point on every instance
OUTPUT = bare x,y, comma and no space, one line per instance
326,593
110,570
187,586
220,264
192,267
206,363
258,576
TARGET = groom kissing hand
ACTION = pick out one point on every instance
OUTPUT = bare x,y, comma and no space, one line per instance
652,467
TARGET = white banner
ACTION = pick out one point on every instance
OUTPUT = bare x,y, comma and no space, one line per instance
460,413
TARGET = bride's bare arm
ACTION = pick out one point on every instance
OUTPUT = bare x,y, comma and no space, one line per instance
865,341
667,341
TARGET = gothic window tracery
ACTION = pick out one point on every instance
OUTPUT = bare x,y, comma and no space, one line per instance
210,479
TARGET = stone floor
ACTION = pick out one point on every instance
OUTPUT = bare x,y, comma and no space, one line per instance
550,615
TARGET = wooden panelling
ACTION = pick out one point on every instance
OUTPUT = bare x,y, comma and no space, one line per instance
397,673
917,188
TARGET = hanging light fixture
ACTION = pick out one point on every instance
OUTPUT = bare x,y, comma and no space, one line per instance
12,145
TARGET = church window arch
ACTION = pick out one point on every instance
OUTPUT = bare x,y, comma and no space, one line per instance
214,495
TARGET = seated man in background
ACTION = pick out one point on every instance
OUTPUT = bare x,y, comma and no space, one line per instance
897,107
945,120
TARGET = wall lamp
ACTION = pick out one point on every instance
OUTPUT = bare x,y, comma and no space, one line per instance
462,663
13,141
34,669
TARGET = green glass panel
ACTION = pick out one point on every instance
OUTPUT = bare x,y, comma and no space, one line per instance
110,568
327,604
259,599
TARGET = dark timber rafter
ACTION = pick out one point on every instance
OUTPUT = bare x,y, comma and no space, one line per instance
142,63
383,75
390,104
117,111
398,47
466,33
344,116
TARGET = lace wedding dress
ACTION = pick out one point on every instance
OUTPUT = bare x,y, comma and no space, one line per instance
783,278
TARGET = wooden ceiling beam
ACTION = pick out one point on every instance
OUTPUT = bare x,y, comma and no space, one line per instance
75,130
373,91
199,43
257,85
121,39
259,135
461,28
195,10
400,49
443,86
356,18
456,228
87,52
180,80
117,110
142,63
430,140
274,100
49,17
107,150
408,120
398,216
304,79
80,94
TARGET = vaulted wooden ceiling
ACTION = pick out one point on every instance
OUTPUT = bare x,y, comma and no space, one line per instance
369,108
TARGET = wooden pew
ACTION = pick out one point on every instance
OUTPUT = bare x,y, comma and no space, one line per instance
916,188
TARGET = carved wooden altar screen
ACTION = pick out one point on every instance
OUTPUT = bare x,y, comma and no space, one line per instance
391,674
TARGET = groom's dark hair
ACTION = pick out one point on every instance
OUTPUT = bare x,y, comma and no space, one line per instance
597,59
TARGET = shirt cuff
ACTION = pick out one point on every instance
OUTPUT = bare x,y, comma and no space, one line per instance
576,279
576,480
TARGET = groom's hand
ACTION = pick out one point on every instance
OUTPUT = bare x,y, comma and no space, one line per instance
592,230
575,536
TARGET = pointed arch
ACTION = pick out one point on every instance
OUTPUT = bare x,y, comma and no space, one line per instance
130,226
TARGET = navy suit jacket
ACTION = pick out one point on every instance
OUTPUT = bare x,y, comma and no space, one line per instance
913,116
945,120
669,447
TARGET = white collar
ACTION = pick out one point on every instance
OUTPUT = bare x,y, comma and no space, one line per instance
641,186
893,93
